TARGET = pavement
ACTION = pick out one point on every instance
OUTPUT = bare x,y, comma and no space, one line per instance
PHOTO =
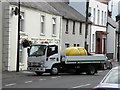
12,74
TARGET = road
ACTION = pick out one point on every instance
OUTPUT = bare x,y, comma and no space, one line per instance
69,81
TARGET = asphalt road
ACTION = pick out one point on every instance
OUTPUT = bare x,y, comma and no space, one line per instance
69,81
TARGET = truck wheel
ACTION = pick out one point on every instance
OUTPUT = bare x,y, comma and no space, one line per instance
91,70
38,73
54,70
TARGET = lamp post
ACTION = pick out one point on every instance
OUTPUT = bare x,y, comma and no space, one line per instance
17,64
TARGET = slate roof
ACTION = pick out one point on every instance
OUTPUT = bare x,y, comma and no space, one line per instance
67,11
42,6
57,8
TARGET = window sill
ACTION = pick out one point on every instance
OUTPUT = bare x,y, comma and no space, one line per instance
53,35
23,33
73,33
42,34
66,32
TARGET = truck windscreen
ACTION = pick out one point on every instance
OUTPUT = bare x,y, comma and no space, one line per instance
37,50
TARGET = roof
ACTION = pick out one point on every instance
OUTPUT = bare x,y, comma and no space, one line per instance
42,6
56,8
67,11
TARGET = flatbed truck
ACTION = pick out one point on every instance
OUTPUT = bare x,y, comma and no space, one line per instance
46,58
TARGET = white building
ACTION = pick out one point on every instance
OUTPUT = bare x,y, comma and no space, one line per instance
118,7
112,39
98,16
39,21
100,40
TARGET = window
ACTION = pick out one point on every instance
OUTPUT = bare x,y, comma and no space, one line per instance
98,19
94,15
67,22
67,45
78,45
22,21
105,18
102,18
37,50
80,28
74,45
42,24
54,26
73,27
52,50
89,11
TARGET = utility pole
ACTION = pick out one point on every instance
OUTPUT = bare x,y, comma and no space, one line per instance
86,24
17,65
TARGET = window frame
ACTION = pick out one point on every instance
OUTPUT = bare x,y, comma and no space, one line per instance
54,26
42,22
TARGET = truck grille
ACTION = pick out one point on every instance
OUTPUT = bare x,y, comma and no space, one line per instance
34,64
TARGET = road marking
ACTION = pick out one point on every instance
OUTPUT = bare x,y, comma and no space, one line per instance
81,86
53,77
42,79
10,84
59,76
28,81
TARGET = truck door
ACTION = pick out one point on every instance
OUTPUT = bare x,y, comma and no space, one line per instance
52,55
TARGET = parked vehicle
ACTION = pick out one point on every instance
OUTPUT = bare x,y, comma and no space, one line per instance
108,64
47,57
111,81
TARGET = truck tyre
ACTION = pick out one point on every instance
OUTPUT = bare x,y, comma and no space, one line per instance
54,70
91,70
38,73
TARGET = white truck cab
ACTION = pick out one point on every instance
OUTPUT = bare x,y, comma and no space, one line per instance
42,57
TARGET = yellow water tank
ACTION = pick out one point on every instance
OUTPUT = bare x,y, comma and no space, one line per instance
72,51
82,51
76,51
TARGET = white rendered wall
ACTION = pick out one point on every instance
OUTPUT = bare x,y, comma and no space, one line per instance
111,42
32,30
98,6
119,7
73,38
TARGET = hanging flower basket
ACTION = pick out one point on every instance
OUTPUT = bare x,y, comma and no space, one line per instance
26,43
